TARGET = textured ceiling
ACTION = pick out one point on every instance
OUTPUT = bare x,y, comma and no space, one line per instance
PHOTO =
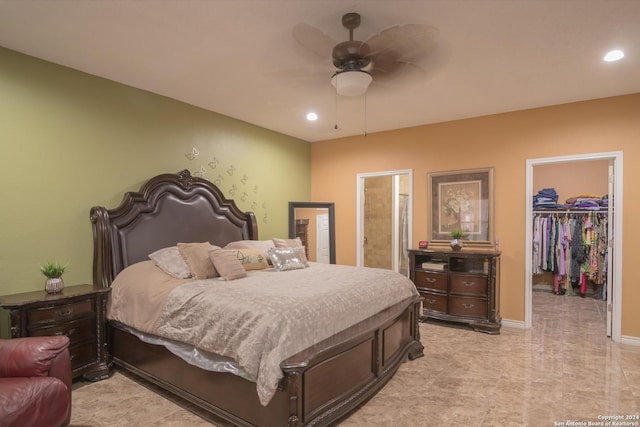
239,58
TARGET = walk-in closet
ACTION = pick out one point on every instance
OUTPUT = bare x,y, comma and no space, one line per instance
570,224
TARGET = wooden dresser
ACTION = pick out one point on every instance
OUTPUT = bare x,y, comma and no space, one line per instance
459,286
78,312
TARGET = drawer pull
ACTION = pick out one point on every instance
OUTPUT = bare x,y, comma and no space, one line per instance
72,356
469,283
430,301
68,332
430,279
468,306
63,313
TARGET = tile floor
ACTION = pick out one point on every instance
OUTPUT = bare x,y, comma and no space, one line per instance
562,372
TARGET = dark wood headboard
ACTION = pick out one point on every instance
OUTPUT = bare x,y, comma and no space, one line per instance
168,209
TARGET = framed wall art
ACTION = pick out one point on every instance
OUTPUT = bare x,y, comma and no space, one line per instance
461,200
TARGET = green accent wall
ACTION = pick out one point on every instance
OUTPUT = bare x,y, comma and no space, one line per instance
70,141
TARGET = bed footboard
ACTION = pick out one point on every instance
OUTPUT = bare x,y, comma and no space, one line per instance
322,384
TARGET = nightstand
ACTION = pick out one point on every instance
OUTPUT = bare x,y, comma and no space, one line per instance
78,312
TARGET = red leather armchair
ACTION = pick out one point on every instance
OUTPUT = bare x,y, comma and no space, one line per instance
35,382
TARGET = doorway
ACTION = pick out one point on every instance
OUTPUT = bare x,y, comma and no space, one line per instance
322,239
384,219
614,270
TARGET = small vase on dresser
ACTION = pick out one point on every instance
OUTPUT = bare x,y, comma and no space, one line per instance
53,272
54,285
456,239
456,244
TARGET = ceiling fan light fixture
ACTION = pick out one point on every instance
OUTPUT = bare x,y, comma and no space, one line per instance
351,82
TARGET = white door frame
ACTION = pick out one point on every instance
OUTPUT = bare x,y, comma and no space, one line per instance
615,204
360,207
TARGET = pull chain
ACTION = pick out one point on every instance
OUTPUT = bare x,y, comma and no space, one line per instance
365,114
336,106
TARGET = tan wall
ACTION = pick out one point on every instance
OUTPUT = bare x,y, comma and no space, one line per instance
69,141
505,142
573,178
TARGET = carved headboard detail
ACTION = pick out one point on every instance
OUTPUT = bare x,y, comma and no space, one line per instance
168,209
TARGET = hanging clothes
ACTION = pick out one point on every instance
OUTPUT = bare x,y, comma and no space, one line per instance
571,245
577,251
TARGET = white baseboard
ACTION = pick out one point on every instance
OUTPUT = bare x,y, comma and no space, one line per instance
630,340
518,324
513,323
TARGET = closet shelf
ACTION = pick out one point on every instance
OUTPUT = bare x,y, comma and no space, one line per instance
569,210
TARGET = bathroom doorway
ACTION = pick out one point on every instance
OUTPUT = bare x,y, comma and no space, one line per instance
384,224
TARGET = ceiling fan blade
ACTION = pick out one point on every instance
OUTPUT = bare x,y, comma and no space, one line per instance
410,41
314,40
405,54
402,74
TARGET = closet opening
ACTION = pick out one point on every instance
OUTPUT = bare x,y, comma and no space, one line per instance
573,248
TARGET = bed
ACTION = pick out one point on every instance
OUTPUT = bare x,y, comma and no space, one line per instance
320,383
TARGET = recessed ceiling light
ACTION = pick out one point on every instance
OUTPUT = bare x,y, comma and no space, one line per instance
312,117
614,55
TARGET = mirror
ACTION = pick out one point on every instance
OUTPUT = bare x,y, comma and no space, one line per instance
314,223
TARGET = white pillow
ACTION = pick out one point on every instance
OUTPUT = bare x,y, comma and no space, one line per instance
171,262
287,243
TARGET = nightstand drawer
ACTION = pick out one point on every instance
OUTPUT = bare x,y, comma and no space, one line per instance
470,307
82,354
76,330
431,280
434,302
60,312
468,284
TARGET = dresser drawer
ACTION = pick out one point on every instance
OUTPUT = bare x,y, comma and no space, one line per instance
468,284
434,302
82,354
60,312
76,330
467,306
431,280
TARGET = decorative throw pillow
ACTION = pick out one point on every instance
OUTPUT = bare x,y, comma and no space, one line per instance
251,259
287,243
303,255
262,245
284,259
171,262
196,255
227,264
292,243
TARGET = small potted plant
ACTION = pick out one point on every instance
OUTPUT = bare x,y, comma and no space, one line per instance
456,239
53,271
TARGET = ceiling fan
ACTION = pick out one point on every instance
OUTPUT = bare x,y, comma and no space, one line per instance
402,54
